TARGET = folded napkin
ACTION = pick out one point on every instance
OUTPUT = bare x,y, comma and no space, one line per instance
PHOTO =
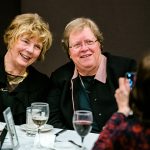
64,145
2,125
46,139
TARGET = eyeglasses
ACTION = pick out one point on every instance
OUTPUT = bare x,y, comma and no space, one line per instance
87,43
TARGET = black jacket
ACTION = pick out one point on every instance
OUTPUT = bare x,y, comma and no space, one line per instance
34,88
102,99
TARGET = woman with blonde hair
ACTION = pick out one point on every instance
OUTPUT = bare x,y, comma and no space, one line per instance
27,39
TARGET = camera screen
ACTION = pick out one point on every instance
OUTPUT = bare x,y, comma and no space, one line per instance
131,77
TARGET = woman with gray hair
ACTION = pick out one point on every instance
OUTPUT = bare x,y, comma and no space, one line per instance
89,80
27,39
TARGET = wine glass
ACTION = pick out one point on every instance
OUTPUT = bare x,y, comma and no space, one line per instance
40,115
82,123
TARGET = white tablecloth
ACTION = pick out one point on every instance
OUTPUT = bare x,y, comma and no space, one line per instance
26,142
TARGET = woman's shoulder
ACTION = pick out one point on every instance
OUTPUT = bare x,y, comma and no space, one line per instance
36,74
118,58
121,63
65,70
133,127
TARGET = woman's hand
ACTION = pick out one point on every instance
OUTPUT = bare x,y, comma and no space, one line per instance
122,96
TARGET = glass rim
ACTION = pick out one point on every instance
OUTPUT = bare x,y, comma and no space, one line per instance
82,111
39,103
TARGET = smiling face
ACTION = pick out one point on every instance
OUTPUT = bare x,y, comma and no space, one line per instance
85,51
24,52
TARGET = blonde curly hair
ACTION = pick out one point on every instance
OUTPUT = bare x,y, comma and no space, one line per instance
31,25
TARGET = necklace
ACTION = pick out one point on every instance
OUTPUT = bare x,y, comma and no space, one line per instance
82,82
13,79
86,82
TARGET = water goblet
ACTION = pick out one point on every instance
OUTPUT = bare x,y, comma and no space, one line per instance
82,123
40,115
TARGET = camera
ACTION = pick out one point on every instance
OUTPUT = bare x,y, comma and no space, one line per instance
131,77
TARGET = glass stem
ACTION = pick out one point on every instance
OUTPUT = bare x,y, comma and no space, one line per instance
39,141
82,139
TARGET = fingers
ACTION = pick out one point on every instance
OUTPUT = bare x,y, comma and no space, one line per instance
122,95
124,86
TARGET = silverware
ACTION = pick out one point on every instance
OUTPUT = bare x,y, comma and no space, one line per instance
59,132
75,143
63,130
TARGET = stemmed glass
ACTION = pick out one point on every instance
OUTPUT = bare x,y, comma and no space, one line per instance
82,122
40,115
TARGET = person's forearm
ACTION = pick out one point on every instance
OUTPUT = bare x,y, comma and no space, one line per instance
126,111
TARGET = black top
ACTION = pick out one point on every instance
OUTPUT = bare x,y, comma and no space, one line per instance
33,88
63,97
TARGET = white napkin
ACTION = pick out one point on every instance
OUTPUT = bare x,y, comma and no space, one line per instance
46,139
2,125
64,145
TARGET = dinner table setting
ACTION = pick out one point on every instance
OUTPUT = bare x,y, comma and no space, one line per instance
36,134
51,139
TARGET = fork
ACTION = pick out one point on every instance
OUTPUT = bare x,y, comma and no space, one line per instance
59,132
75,143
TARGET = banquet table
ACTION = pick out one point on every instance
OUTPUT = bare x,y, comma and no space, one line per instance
27,142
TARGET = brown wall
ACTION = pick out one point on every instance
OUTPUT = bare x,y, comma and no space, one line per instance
125,25
8,9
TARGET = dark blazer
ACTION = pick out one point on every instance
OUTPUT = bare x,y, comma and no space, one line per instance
34,88
102,101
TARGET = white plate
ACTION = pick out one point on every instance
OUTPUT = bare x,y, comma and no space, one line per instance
46,127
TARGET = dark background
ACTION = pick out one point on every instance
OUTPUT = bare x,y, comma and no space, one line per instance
125,24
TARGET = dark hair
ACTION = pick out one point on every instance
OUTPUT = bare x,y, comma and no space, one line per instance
140,95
